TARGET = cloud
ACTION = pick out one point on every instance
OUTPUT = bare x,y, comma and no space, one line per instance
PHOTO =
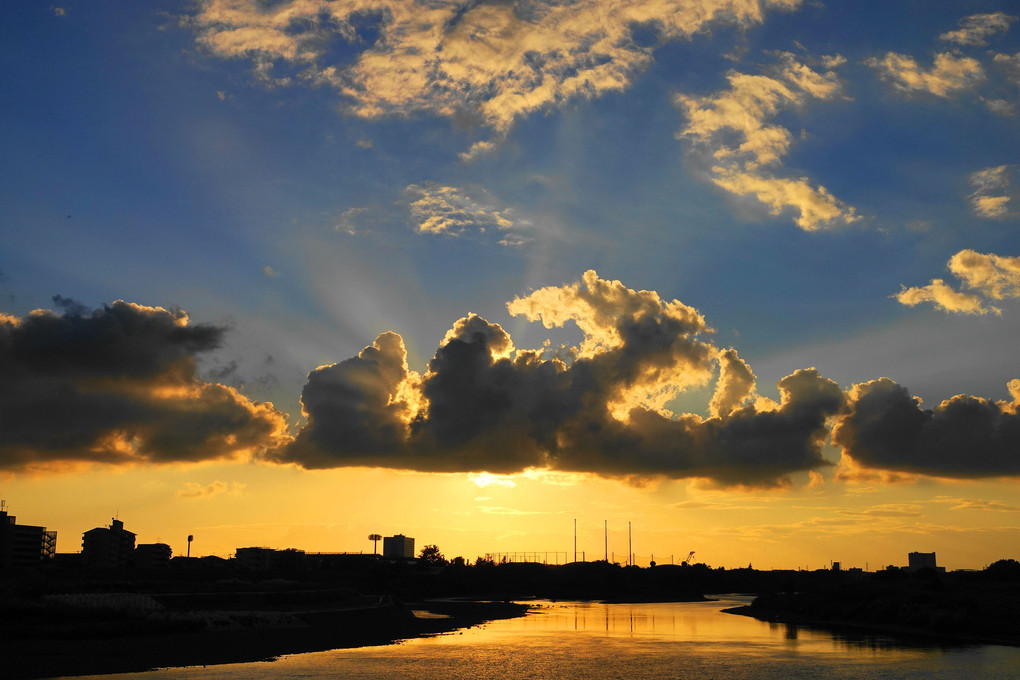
270,272
992,275
885,510
485,479
1000,107
478,149
948,74
976,28
988,276
978,504
732,132
1010,64
195,490
485,405
736,383
944,297
440,209
993,192
964,437
500,61
119,385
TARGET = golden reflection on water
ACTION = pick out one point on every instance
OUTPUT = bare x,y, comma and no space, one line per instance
590,640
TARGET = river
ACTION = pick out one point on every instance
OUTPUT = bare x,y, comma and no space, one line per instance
585,640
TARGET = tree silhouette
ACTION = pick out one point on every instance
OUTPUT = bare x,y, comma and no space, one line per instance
431,556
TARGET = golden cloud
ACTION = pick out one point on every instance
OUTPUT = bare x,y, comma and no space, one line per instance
734,126
947,74
503,61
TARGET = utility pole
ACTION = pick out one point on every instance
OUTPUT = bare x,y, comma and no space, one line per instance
575,539
605,532
630,546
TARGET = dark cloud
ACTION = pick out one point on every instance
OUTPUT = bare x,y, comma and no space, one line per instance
484,406
963,437
119,384
353,409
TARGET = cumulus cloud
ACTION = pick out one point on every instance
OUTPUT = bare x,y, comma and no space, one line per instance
975,29
993,192
500,61
485,405
963,437
735,385
733,132
949,73
119,385
988,276
992,275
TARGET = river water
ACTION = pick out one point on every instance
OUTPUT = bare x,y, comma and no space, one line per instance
584,640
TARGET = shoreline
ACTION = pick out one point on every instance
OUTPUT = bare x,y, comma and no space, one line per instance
36,658
906,633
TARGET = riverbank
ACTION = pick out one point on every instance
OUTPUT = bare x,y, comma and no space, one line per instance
924,611
117,646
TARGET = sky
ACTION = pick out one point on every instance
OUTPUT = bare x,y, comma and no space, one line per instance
742,275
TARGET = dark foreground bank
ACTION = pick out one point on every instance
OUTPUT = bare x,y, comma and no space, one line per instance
935,610
129,642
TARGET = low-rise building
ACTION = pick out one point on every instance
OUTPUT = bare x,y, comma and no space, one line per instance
919,560
269,559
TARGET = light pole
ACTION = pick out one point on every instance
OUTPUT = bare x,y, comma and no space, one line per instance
190,539
375,538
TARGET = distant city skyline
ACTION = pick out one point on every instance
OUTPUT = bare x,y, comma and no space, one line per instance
743,273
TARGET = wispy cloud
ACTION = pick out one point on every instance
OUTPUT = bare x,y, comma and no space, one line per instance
975,29
450,211
948,74
497,510
441,210
993,192
977,504
217,488
502,61
733,132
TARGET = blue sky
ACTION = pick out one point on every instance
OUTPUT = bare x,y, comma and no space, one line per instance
786,169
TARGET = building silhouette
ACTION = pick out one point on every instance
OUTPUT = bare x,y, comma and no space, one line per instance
108,547
398,547
23,545
152,555
919,560
269,559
